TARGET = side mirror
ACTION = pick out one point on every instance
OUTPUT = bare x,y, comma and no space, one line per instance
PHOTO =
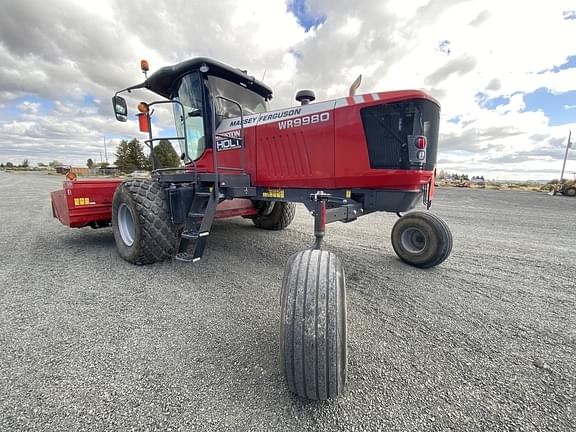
120,108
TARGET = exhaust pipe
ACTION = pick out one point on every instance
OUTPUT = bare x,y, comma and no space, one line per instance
355,86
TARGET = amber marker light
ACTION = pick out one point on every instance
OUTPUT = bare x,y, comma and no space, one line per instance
143,107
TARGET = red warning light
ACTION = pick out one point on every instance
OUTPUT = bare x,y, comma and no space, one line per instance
421,142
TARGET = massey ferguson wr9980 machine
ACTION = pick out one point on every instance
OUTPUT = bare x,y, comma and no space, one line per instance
342,159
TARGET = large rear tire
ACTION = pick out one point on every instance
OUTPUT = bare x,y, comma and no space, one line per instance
570,191
274,215
313,325
143,230
421,239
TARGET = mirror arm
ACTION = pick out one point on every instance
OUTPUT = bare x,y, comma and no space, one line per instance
134,87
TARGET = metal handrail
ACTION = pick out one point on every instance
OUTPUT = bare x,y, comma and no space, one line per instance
217,168
243,149
185,137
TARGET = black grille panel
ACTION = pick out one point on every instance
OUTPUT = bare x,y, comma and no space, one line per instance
388,126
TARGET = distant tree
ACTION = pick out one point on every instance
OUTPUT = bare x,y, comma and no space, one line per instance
54,163
166,155
25,163
1,165
441,175
9,165
90,163
102,164
130,156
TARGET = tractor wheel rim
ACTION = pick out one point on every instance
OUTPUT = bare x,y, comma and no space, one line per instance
413,240
126,224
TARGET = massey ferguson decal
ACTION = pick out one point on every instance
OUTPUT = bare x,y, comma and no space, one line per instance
251,120
304,121
288,118
267,117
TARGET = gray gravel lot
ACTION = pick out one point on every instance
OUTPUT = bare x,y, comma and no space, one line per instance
486,341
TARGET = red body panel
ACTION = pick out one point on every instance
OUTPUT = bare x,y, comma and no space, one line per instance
296,156
313,146
81,202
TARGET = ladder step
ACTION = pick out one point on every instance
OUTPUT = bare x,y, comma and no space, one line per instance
198,224
186,257
190,234
193,235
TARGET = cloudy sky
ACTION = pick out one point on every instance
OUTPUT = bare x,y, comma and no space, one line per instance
504,71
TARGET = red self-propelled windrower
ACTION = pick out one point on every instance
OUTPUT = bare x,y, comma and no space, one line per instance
342,159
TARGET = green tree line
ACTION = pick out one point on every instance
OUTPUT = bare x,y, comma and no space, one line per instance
130,156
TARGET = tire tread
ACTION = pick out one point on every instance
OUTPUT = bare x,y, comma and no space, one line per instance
313,299
280,218
441,230
160,237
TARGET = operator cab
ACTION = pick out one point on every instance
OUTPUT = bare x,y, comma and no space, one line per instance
203,92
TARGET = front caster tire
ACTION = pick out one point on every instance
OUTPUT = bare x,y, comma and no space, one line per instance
313,325
421,239
143,230
274,215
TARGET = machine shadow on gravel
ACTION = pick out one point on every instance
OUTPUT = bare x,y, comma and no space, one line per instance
88,238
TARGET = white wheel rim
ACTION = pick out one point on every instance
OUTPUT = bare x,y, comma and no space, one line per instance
126,224
413,240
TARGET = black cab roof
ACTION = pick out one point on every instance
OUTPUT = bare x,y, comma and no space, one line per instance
163,80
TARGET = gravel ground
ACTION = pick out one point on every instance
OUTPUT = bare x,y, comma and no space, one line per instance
486,341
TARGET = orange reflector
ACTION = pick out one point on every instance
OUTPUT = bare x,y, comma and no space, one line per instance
143,107
71,176
142,122
144,65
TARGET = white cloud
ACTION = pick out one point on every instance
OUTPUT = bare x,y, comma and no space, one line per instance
63,51
352,27
29,107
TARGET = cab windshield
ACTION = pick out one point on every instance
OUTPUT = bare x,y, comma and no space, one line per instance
252,103
190,96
